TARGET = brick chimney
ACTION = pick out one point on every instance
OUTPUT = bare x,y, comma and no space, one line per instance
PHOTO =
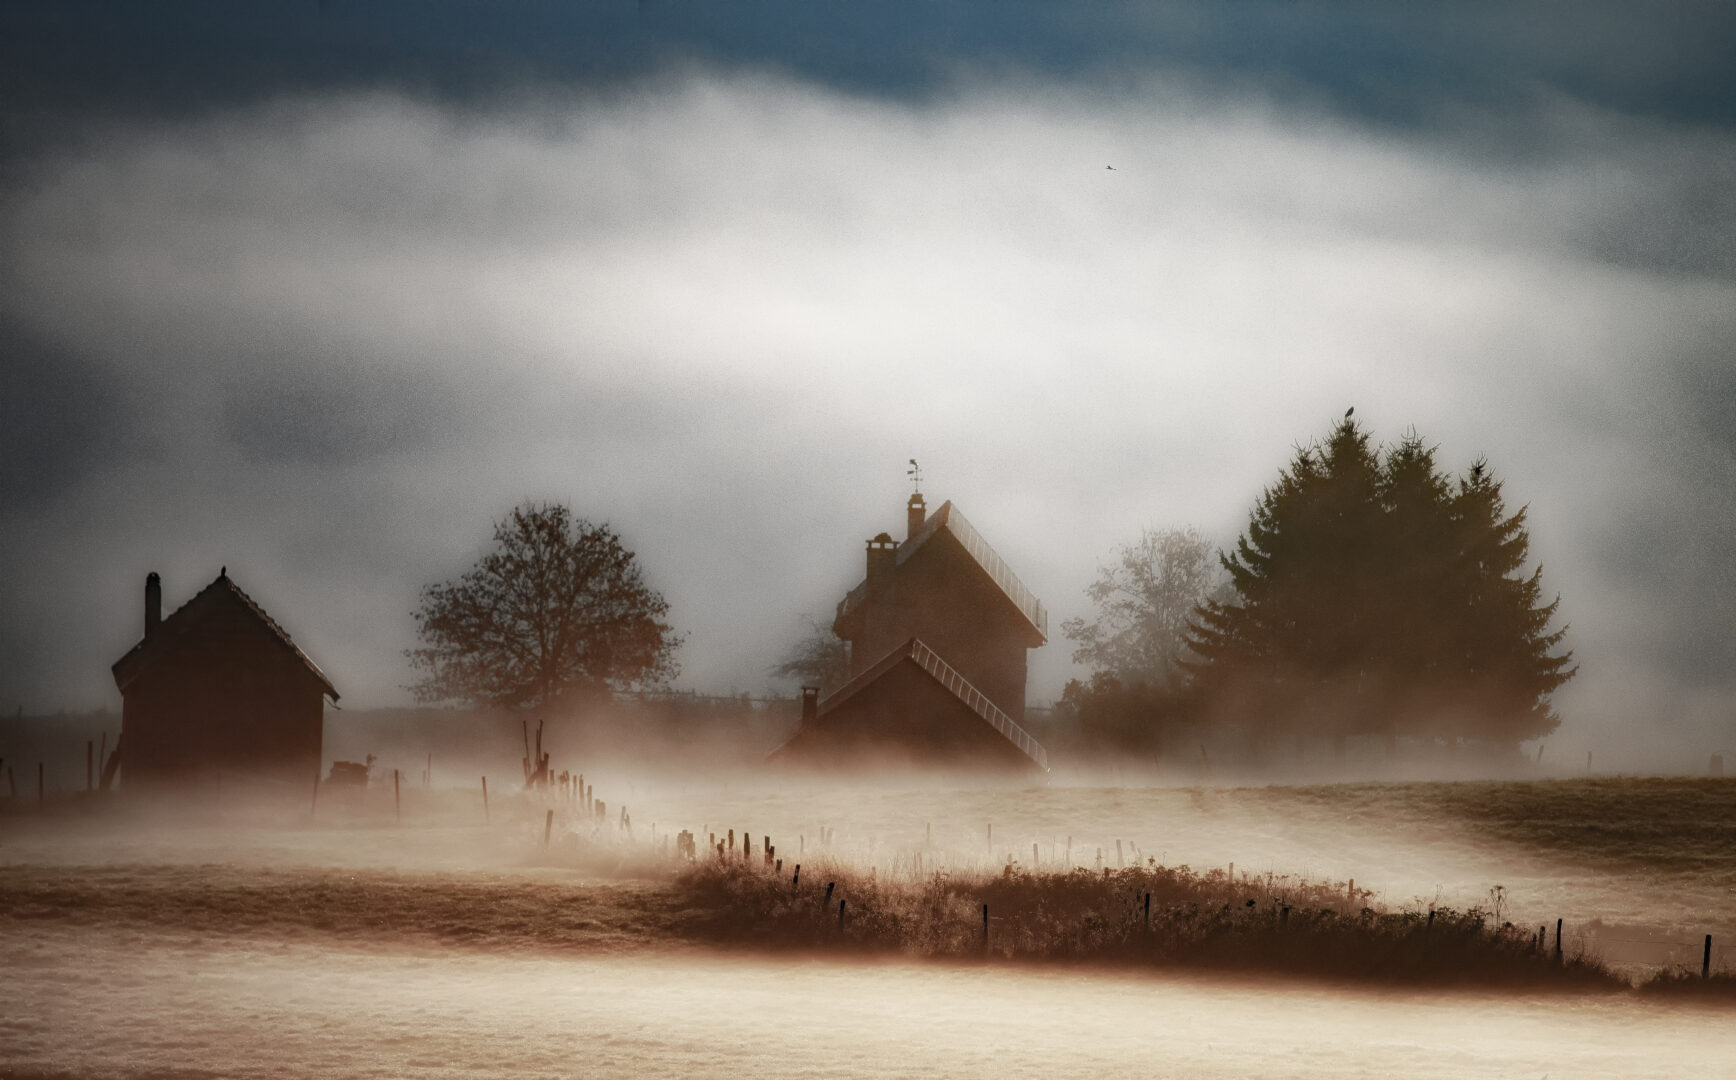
810,703
882,553
915,513
153,602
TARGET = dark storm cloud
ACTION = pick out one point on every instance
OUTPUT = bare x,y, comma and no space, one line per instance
1671,535
1683,221
337,414
61,418
1393,63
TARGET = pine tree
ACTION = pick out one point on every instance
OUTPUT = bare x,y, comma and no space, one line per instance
1374,595
1421,600
1288,653
1504,649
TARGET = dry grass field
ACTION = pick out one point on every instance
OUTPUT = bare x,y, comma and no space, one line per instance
260,938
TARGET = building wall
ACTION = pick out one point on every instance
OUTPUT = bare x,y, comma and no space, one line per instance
941,596
227,699
903,720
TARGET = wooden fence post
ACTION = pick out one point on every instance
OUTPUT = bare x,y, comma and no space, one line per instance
548,827
1706,959
1558,941
397,803
985,927
826,903
1148,911
841,904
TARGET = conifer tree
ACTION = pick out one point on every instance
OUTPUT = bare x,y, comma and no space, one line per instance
1375,595
1505,652
1287,653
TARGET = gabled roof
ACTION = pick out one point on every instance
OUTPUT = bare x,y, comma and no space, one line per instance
949,679
175,627
947,519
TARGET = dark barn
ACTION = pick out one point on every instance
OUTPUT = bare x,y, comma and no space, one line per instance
218,689
938,631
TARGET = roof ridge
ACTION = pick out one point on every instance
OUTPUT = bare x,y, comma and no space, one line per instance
281,634
950,518
223,580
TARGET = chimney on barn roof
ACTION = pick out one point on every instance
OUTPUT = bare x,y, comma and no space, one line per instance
153,602
882,553
810,703
915,513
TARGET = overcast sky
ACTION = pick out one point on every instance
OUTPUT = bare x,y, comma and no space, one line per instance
320,294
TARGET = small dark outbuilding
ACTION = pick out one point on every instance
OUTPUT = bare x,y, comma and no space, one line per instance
218,688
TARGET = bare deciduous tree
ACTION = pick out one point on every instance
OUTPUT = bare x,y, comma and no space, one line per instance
821,658
558,606
1144,601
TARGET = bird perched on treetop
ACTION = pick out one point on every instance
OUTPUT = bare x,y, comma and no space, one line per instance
1348,411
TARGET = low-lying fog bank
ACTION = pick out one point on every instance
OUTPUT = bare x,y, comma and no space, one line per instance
1637,870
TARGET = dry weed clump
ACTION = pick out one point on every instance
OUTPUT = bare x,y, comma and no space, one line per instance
1196,920
1681,982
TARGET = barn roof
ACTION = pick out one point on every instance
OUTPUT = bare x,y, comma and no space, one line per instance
947,519
914,651
175,626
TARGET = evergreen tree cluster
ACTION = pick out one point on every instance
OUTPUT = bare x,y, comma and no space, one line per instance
1374,594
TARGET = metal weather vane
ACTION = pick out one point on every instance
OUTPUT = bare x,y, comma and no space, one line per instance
915,474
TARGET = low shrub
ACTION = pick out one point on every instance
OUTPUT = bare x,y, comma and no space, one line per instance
1196,920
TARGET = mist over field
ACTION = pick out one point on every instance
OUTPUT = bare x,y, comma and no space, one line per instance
370,936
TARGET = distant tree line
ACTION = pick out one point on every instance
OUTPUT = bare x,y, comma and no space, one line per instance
1371,594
